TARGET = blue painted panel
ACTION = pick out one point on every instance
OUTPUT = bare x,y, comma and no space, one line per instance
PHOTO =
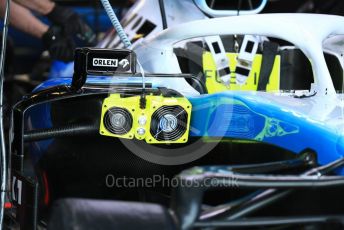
246,116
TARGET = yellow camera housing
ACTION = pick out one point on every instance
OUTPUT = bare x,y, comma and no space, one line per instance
115,101
174,114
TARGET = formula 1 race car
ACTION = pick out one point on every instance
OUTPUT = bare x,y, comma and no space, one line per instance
266,150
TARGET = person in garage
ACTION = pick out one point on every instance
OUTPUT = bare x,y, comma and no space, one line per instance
58,38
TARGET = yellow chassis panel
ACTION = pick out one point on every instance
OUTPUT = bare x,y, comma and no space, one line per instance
214,85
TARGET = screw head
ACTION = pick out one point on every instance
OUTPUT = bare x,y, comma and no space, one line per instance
141,131
142,120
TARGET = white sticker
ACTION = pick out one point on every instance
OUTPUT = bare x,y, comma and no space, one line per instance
105,62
